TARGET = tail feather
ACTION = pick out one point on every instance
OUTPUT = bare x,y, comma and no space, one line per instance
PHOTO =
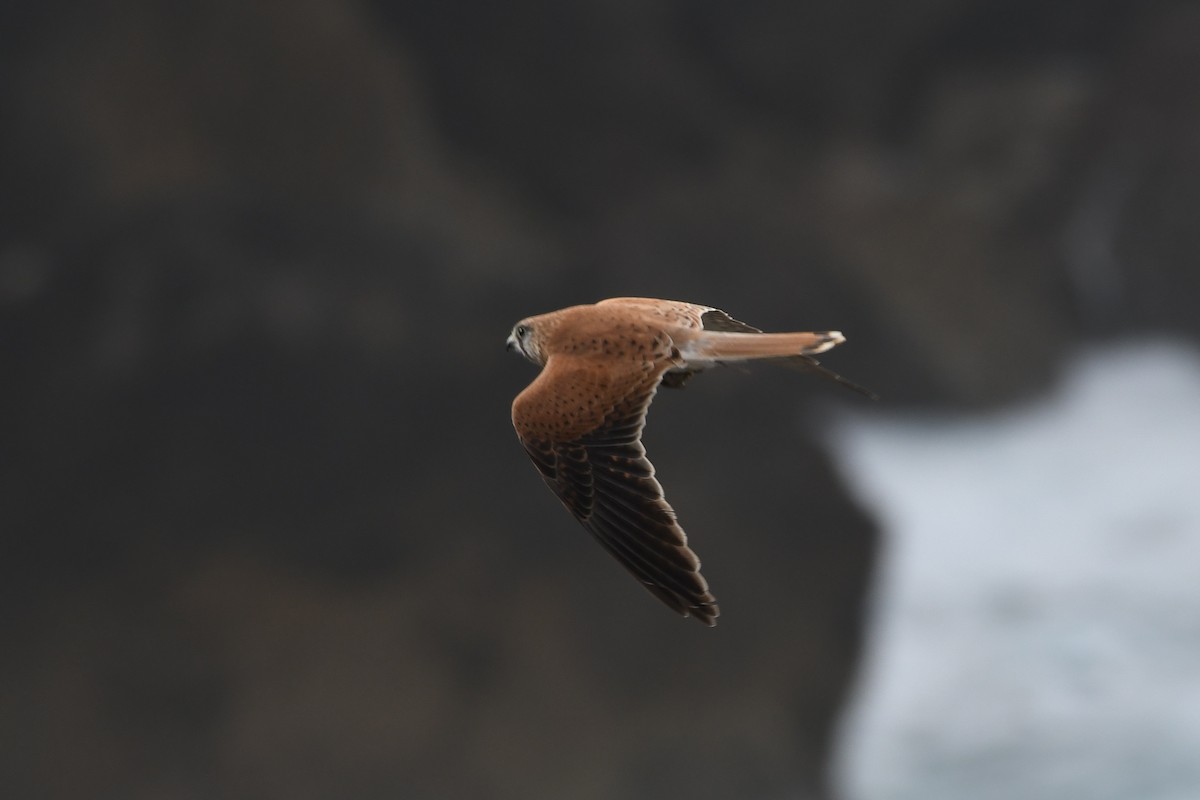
714,346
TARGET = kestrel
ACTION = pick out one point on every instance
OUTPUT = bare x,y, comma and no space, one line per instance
581,420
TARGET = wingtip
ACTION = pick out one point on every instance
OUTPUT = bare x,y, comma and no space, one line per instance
705,615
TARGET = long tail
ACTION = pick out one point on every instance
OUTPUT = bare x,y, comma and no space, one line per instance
713,346
790,349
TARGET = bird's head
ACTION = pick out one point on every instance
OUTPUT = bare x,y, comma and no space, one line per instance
526,341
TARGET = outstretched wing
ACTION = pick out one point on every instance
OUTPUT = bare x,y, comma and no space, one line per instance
581,424
714,319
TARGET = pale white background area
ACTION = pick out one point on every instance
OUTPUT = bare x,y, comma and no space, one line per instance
1036,622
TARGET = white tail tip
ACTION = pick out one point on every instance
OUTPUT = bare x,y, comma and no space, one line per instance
831,339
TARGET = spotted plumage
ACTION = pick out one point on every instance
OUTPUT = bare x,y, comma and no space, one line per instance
581,420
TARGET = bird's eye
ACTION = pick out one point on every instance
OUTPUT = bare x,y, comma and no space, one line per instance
521,331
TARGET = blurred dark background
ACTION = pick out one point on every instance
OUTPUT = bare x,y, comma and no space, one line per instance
266,529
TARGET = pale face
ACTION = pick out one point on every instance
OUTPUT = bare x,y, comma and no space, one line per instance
521,340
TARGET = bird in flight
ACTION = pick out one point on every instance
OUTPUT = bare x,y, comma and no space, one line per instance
581,419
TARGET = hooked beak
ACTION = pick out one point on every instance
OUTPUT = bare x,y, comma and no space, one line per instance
511,343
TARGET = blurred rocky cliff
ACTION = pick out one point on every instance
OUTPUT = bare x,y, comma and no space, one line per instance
266,530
